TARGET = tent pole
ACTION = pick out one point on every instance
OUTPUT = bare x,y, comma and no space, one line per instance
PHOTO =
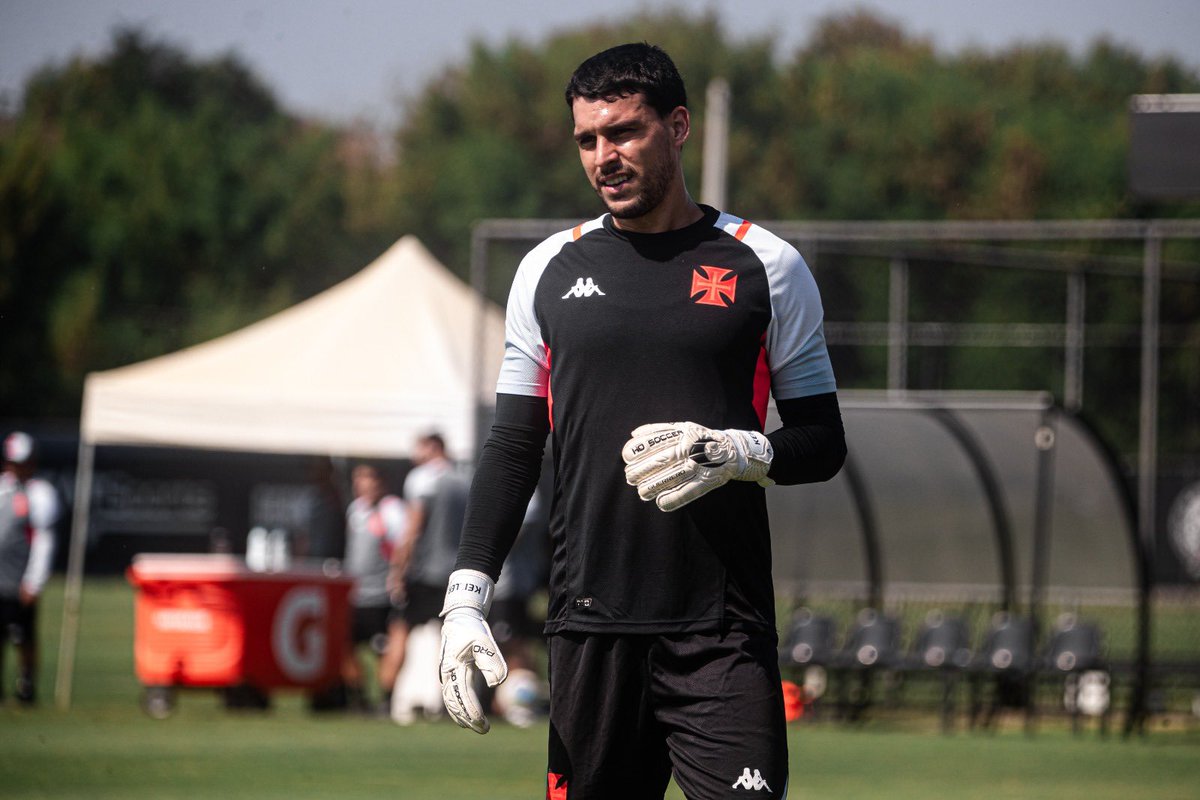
73,592
479,276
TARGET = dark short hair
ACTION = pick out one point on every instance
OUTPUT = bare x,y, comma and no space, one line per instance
434,438
629,69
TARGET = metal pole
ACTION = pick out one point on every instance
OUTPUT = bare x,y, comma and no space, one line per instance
716,144
1147,470
1044,440
1148,427
479,271
1073,368
898,326
73,592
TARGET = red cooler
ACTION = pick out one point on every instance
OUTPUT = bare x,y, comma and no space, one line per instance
208,621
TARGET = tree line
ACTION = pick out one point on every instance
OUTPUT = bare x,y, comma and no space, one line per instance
150,200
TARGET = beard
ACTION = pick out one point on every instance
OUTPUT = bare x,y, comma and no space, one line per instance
655,184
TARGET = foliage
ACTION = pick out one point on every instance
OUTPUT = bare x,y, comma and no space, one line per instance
151,202
863,122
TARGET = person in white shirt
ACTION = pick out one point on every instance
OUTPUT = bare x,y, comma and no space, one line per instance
435,494
376,524
29,510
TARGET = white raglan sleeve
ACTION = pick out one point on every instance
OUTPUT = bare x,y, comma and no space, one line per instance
526,366
796,349
43,516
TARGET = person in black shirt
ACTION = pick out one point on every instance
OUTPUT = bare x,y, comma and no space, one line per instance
645,343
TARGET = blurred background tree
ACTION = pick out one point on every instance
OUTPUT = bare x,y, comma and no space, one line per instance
151,200
862,122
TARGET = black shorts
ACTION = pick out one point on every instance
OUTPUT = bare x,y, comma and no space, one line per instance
627,712
18,622
422,602
368,622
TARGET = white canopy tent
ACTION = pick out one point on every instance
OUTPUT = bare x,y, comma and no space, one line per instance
359,369
398,349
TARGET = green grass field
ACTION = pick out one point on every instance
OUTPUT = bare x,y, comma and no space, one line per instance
105,747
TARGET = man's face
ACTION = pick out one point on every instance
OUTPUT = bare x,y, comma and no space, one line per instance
629,153
423,452
367,483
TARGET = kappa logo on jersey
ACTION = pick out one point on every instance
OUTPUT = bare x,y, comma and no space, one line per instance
754,783
583,288
714,288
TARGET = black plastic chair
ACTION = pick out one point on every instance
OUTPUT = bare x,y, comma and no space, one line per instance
1076,655
1007,661
872,646
943,647
811,640
808,650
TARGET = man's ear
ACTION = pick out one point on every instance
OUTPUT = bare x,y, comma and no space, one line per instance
680,122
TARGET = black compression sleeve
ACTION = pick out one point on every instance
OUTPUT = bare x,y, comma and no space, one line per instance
507,475
811,445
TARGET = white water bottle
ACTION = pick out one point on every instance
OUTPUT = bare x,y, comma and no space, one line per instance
256,549
279,554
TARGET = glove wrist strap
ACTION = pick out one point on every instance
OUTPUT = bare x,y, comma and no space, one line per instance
758,452
468,588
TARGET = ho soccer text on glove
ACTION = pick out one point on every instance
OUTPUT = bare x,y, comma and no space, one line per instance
674,463
468,647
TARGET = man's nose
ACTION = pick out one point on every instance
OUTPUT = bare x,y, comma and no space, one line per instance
605,152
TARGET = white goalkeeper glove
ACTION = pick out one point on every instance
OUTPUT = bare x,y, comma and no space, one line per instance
468,647
674,463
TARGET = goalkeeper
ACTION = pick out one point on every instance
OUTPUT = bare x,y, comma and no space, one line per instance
645,343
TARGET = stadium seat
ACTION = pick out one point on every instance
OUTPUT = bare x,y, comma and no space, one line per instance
1075,655
810,640
943,647
1005,660
808,651
873,642
872,646
1074,646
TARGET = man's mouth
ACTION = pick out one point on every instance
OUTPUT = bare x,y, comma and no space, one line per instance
612,184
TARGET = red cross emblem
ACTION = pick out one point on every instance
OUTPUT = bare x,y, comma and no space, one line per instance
716,288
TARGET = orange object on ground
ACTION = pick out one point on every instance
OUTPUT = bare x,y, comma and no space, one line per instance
208,621
793,701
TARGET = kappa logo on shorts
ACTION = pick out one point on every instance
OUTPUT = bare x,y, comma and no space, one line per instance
754,783
714,286
583,288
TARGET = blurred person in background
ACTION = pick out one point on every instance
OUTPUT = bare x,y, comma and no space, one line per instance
324,537
435,493
29,510
376,527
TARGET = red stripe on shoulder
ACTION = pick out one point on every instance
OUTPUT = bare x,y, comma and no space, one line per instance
762,383
576,232
742,230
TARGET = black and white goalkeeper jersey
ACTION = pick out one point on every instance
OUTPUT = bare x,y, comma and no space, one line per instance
617,329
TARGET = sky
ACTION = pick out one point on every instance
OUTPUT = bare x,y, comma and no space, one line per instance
344,60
